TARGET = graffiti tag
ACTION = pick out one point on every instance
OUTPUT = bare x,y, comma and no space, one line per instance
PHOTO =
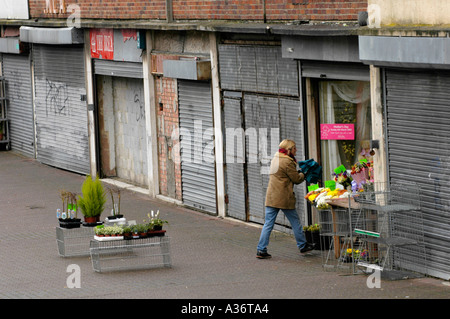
57,98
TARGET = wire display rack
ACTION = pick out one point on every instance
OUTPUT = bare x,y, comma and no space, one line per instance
74,241
336,229
379,229
389,229
123,254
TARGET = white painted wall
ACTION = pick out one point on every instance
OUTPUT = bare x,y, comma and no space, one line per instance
411,12
14,9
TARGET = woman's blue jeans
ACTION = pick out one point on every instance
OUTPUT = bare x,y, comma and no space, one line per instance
271,216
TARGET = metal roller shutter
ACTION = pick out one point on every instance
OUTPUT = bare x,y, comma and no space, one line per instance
278,117
235,157
196,140
291,127
17,71
333,70
418,135
61,116
118,68
257,69
262,115
268,88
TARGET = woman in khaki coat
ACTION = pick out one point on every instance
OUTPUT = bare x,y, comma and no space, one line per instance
280,195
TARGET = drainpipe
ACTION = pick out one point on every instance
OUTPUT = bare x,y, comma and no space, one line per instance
264,11
169,11
89,79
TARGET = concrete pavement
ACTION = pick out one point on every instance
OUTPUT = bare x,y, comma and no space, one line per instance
211,257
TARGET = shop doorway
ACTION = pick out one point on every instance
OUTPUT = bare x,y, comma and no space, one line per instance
122,130
341,109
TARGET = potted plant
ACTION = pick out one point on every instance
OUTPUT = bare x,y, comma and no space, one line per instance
134,231
307,232
92,201
115,212
116,230
69,217
99,231
142,230
315,235
107,231
354,255
126,232
312,234
156,223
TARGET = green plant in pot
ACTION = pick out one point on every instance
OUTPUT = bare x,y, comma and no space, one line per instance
156,223
68,218
115,212
99,231
127,230
134,231
92,201
312,234
307,234
142,229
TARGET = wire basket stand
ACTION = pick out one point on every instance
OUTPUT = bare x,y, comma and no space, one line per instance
380,229
336,232
389,229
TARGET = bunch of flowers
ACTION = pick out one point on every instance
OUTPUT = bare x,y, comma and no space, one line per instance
312,228
356,254
343,178
360,167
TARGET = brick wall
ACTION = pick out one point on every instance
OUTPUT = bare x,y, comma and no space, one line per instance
218,9
319,10
104,9
167,105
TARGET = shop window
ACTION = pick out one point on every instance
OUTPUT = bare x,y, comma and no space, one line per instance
344,106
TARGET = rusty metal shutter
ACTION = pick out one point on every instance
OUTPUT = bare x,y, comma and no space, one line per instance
197,145
418,136
61,115
17,72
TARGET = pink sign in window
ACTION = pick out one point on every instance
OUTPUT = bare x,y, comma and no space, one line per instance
337,131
